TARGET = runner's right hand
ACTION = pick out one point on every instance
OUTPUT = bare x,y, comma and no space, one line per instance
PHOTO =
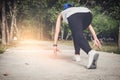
55,50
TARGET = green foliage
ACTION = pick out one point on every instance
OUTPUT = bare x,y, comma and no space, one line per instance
67,28
2,48
110,47
46,11
112,8
33,13
51,15
104,23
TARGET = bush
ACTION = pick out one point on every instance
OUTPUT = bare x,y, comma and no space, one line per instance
2,49
102,22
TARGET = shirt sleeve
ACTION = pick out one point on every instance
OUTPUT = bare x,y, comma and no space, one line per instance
64,16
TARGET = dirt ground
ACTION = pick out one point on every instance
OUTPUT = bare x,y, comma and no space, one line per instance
34,60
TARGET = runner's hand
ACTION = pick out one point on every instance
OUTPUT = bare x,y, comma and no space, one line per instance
97,43
55,50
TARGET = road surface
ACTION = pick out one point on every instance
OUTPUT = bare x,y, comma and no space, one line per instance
34,60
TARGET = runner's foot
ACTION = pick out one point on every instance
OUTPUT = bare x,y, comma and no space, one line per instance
76,58
93,57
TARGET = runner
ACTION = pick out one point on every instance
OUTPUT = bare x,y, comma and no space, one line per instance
79,19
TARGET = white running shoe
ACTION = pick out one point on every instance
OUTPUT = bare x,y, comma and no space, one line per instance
76,58
93,57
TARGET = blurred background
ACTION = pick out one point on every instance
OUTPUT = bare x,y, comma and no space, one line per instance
35,19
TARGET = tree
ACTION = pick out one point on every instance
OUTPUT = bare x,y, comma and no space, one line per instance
41,15
119,37
13,27
3,24
30,14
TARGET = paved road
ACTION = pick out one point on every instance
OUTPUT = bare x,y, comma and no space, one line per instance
33,60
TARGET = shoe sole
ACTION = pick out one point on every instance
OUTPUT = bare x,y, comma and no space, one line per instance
93,64
76,60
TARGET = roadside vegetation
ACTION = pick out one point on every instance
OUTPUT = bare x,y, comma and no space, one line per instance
2,49
36,19
107,47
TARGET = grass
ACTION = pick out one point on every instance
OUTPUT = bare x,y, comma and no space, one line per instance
109,47
2,49
106,47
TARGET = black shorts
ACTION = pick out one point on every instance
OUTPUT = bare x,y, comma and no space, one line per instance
80,20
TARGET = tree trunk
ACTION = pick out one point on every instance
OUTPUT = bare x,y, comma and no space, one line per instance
86,2
3,24
11,29
7,34
13,21
52,32
40,31
119,38
62,33
68,34
79,1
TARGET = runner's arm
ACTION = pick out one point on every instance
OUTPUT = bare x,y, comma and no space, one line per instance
96,41
57,29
